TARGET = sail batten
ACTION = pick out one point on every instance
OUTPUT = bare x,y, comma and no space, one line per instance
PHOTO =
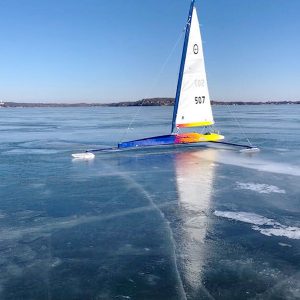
192,104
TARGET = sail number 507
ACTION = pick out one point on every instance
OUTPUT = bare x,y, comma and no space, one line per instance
200,100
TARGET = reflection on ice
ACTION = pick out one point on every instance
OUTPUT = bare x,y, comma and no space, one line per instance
195,178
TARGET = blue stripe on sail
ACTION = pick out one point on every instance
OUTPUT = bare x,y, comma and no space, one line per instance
182,64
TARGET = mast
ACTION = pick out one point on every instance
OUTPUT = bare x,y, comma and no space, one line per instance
186,39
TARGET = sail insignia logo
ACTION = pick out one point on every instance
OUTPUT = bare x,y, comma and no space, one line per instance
195,49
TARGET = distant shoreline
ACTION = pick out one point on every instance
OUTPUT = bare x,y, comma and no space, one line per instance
143,102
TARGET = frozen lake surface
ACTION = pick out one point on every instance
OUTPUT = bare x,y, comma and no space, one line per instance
172,223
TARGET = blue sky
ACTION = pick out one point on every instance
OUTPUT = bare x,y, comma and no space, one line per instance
104,51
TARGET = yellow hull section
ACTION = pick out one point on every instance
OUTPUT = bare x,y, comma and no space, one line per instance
194,137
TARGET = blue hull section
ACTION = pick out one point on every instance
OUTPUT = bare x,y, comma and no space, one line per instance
152,141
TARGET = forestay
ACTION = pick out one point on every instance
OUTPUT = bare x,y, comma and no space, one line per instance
192,103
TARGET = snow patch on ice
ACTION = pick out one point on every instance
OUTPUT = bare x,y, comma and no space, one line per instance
31,151
289,232
55,262
265,226
284,245
259,187
245,217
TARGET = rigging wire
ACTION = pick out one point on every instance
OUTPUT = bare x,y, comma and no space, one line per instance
155,81
239,125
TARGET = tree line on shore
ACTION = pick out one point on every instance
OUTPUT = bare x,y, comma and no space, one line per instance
143,102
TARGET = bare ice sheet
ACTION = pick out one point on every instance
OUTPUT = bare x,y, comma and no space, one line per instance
172,223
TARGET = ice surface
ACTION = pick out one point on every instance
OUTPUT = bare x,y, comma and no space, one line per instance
141,224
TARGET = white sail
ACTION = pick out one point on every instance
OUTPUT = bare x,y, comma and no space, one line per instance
193,107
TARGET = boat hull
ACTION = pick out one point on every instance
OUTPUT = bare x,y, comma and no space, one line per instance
172,139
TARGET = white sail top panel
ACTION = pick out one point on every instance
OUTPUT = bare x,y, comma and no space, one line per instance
194,107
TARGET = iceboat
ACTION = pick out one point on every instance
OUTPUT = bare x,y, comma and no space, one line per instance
192,107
